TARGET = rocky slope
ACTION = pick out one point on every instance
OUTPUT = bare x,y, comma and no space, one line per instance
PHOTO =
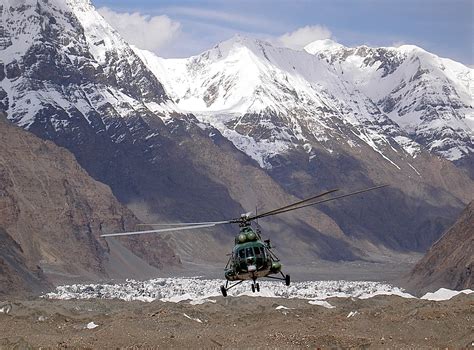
450,261
70,78
15,275
52,213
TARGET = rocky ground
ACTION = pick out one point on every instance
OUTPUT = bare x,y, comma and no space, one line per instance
239,322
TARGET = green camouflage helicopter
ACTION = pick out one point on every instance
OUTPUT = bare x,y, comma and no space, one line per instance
252,257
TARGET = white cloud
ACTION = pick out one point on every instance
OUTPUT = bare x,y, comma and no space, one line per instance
303,36
146,32
232,18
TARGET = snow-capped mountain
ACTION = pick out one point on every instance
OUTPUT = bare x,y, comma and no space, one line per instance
266,99
266,124
430,97
101,71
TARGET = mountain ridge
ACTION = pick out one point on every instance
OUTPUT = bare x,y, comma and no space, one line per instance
196,83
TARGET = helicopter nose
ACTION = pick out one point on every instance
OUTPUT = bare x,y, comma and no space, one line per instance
251,268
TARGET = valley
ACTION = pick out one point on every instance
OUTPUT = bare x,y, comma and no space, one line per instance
99,137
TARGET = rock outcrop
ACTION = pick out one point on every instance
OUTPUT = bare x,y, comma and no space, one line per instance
449,263
52,214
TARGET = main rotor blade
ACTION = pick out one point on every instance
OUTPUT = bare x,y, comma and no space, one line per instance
186,223
328,200
276,211
182,228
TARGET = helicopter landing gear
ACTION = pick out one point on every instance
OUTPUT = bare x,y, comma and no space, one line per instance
255,286
225,288
223,291
284,277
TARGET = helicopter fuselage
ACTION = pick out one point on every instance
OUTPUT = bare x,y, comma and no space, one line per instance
251,258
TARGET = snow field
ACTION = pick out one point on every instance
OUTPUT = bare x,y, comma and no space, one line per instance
199,291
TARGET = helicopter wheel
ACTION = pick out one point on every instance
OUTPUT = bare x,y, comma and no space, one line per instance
253,288
287,280
257,286
223,291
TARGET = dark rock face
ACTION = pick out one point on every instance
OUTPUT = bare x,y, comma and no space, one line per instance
52,214
397,217
449,263
2,71
16,277
12,70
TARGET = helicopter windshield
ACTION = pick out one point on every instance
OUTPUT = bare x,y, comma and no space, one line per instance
251,252
253,255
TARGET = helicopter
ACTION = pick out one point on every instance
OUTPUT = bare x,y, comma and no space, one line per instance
252,257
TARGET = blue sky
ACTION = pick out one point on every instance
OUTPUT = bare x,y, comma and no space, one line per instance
182,28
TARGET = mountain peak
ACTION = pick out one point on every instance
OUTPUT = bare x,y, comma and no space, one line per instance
240,41
322,45
79,2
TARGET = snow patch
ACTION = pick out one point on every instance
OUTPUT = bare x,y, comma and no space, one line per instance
444,294
192,318
91,325
410,146
5,309
321,303
352,314
396,292
416,171
281,307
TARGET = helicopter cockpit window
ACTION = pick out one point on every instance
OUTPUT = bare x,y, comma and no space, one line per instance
259,251
242,253
249,252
